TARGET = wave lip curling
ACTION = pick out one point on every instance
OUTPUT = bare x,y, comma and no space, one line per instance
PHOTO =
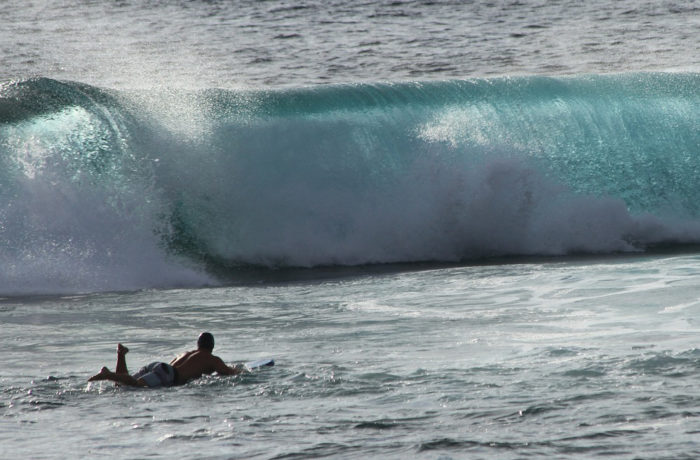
111,182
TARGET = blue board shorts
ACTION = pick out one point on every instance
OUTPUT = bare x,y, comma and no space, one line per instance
158,374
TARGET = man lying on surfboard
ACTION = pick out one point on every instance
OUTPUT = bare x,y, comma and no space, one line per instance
188,366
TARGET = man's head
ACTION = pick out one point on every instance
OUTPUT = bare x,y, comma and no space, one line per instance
205,341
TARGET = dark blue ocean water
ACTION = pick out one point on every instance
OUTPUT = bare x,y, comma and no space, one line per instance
291,43
462,229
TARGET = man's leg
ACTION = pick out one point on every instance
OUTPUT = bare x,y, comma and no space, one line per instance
125,379
121,359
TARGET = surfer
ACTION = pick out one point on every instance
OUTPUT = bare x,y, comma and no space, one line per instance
183,368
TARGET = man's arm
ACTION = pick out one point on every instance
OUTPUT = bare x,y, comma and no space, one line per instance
221,368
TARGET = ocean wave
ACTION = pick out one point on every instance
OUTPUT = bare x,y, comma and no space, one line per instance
103,189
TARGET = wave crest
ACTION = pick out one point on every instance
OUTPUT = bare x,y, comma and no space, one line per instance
147,188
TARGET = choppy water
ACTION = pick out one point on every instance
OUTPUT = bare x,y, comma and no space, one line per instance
557,360
173,167
253,43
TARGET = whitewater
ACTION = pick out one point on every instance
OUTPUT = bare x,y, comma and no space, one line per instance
461,229
116,186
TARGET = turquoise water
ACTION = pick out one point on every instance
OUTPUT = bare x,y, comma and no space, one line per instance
461,229
138,190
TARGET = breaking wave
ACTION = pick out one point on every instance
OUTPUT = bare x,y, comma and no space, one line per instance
106,190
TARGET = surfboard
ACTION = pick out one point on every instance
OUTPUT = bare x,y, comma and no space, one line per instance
260,363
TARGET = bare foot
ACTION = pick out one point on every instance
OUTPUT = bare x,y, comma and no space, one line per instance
121,349
104,374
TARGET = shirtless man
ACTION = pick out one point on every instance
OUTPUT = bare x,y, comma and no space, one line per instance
188,366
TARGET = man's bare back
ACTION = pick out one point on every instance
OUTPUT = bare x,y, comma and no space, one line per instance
193,364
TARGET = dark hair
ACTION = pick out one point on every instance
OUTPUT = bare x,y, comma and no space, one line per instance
206,341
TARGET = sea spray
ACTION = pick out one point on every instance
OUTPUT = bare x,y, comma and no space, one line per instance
441,171
135,186
77,208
